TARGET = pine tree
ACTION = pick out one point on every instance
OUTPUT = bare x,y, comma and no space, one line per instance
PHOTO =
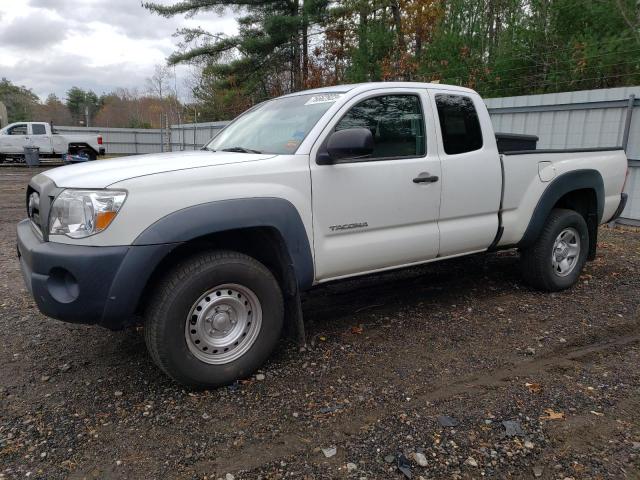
268,56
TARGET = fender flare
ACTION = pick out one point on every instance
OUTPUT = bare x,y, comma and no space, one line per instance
224,215
565,183
81,145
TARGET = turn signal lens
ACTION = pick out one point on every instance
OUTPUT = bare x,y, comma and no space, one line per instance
103,219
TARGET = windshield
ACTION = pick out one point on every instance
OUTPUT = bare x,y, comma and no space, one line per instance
277,126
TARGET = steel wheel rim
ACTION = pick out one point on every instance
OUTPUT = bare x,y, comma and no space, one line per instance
566,252
223,324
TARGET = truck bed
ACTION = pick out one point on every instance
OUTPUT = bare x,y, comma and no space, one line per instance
528,173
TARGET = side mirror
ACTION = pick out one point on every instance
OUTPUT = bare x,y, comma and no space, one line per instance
348,143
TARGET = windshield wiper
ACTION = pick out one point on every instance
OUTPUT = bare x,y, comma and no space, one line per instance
240,150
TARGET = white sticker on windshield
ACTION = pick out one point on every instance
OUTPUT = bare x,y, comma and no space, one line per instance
323,98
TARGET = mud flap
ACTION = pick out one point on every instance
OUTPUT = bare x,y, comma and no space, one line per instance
293,320
592,226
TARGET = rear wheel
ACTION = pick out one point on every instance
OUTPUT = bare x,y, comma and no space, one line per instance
214,319
88,152
555,260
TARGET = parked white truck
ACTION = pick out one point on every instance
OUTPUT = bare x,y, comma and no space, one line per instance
16,136
211,248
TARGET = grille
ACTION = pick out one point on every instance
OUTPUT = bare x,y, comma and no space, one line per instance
40,193
33,208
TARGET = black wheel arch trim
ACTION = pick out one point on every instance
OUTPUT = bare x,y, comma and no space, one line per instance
79,145
559,187
224,215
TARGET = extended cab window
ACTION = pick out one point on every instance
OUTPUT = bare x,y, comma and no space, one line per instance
38,129
459,124
396,122
18,130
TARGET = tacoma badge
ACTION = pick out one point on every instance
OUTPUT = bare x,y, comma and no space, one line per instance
348,226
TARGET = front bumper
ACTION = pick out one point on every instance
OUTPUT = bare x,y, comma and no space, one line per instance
82,284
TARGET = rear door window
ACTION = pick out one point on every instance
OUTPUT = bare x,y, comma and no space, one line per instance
38,129
459,124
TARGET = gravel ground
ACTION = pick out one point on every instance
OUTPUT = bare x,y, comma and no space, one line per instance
452,370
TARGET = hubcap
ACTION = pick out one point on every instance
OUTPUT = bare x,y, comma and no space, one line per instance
223,324
566,251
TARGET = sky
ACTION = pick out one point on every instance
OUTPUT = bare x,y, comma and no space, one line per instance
100,45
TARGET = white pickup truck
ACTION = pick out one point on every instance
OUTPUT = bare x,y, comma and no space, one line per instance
210,249
16,136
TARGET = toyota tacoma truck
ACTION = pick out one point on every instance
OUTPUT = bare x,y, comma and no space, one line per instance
211,249
16,136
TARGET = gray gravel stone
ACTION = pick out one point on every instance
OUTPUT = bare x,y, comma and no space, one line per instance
512,428
471,462
420,459
447,421
329,451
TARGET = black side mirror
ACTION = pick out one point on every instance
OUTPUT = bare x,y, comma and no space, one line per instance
348,143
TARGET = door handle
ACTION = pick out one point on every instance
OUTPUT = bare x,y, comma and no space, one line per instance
426,178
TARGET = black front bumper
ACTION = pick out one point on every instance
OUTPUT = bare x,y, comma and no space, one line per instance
82,284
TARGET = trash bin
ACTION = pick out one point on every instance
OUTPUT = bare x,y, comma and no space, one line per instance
32,156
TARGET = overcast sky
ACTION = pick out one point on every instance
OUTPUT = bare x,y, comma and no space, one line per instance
52,45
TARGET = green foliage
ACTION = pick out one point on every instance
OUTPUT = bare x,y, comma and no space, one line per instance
498,47
266,58
134,123
506,48
20,101
78,100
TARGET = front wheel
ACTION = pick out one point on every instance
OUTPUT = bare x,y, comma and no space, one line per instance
555,260
214,319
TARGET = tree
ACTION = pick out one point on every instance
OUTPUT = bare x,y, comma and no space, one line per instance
53,111
20,101
498,47
127,108
159,84
515,47
268,56
79,102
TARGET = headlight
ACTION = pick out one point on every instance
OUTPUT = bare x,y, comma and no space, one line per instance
80,213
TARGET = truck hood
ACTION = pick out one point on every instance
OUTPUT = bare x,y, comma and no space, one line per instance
102,173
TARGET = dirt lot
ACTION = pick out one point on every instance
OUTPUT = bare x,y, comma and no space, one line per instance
388,355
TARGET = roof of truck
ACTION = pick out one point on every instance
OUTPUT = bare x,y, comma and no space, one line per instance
374,85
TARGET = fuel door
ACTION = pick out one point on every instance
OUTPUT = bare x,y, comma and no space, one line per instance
546,171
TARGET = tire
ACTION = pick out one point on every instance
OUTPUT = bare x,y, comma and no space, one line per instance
88,152
545,270
214,318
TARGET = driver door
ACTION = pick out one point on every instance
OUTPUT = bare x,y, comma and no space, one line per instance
378,212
